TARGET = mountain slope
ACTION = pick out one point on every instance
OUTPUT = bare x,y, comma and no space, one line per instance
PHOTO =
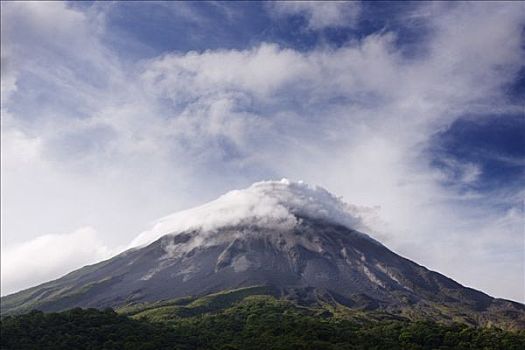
296,243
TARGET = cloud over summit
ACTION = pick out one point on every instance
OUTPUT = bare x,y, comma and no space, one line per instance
271,204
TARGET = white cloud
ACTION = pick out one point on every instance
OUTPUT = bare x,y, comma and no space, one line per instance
48,257
260,71
116,145
273,204
459,172
319,14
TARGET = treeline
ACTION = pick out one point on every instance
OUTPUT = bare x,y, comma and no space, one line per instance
252,324
82,329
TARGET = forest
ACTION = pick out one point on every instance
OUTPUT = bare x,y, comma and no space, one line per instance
254,323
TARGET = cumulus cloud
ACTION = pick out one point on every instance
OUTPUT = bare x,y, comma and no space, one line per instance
130,142
48,257
319,14
270,204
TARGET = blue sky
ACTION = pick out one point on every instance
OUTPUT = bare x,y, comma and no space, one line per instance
116,114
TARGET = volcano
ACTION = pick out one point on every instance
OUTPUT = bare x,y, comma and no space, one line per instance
297,241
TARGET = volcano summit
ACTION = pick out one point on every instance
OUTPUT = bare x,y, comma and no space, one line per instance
286,239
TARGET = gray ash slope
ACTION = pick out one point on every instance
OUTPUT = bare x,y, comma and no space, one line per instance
314,260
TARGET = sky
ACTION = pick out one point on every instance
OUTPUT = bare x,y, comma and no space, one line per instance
115,114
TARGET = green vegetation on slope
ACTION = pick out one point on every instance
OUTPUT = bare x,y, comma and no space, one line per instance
254,322
192,306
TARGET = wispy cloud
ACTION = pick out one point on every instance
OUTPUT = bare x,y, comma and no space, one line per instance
319,15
